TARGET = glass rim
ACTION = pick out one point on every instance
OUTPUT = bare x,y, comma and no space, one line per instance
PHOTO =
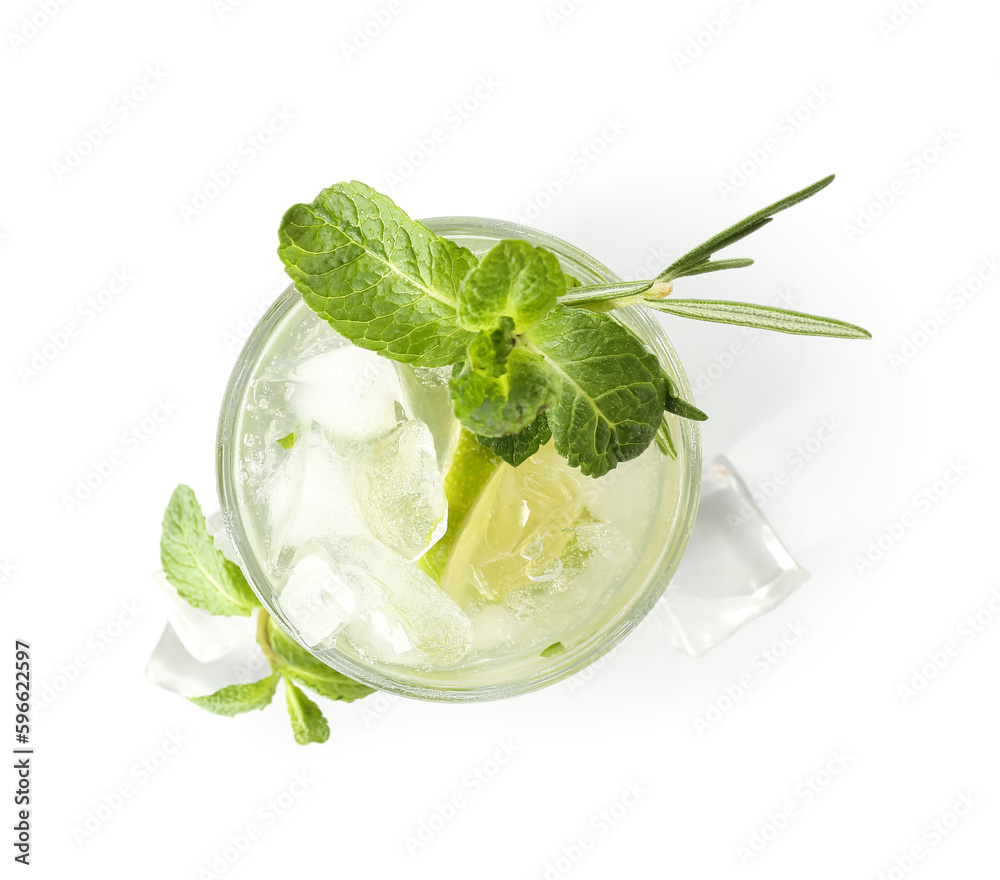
563,665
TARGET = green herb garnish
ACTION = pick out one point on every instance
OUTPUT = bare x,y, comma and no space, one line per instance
206,579
535,354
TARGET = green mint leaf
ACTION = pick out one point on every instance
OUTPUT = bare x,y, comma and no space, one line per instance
517,448
738,231
570,280
762,317
299,664
514,280
612,389
503,386
288,441
553,649
194,566
237,698
308,723
716,266
381,279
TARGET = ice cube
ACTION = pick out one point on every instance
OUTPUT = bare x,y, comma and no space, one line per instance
426,397
735,567
350,391
173,667
322,596
207,637
400,490
413,621
309,494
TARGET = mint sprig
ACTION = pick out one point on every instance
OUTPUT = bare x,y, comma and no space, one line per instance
206,579
381,279
195,567
526,341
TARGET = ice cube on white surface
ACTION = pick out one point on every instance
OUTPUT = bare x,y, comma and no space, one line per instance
323,595
412,622
206,636
310,493
172,667
350,391
735,567
426,397
400,490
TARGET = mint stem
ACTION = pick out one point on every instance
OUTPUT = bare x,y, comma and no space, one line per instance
264,640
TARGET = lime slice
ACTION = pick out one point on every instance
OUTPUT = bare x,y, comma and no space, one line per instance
472,466
521,533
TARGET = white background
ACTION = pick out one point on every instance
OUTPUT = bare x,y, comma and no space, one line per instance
648,107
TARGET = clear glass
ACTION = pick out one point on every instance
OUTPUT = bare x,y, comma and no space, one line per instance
671,520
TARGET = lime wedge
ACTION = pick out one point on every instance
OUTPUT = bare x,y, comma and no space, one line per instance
472,466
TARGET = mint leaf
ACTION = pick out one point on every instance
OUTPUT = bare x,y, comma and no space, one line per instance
762,317
517,448
612,390
553,649
237,698
308,723
298,663
198,571
381,279
288,441
513,280
503,386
